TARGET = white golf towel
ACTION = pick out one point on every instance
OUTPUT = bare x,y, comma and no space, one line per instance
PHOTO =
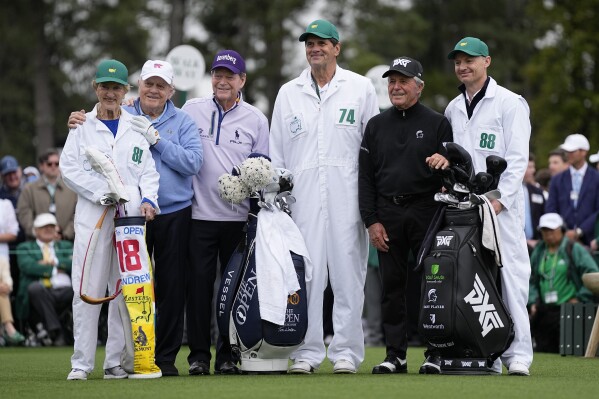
276,235
490,229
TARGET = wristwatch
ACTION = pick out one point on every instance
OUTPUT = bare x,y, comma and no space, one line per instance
579,232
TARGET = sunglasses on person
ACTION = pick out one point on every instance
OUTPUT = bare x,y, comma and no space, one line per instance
52,163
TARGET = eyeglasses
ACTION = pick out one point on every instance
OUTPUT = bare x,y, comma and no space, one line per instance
52,163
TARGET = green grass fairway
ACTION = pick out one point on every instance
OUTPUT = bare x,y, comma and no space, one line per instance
41,373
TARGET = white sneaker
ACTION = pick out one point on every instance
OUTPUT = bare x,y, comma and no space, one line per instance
115,373
301,367
77,374
343,366
517,368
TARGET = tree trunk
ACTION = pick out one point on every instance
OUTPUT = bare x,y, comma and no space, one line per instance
43,106
177,19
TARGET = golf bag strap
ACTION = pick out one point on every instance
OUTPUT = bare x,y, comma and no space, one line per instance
429,237
89,255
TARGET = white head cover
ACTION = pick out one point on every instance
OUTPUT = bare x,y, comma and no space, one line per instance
103,164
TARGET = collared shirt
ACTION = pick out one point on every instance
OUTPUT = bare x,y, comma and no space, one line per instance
159,119
577,178
228,137
58,280
479,95
582,171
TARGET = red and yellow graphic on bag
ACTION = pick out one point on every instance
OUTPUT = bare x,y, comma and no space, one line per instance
138,292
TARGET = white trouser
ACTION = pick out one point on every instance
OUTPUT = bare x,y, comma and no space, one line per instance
515,276
345,250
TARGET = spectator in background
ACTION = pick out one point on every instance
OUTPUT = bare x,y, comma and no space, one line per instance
45,285
534,204
317,125
373,289
558,161
31,174
9,229
594,160
574,193
12,182
48,194
543,178
230,129
557,267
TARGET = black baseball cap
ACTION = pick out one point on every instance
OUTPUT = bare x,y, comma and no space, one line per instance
406,66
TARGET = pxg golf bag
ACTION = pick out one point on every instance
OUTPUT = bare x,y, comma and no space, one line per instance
462,315
261,346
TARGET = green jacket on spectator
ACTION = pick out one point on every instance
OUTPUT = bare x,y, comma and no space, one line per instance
583,263
28,255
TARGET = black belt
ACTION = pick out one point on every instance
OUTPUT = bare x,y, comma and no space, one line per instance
406,199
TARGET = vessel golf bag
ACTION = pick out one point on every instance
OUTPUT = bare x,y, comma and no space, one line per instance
462,314
261,346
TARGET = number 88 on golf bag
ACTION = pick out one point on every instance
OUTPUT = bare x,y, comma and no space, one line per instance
462,315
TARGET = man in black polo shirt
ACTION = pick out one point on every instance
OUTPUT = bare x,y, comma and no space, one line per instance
396,190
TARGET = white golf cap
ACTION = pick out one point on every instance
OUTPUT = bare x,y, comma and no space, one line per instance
44,219
159,68
594,158
575,142
551,221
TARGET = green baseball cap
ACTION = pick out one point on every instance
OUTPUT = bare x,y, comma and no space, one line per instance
471,46
112,71
321,28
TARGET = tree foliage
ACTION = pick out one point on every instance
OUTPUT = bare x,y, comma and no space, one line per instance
49,53
545,50
258,31
563,72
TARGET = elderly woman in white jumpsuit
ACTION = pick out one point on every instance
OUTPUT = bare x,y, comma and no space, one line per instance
107,128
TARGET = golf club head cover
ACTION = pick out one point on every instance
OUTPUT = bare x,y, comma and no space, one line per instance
447,177
482,181
495,167
461,163
104,165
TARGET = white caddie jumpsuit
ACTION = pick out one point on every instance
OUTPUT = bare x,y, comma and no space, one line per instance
319,142
500,125
131,154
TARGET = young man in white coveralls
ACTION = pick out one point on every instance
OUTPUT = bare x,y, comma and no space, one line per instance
317,126
108,129
487,119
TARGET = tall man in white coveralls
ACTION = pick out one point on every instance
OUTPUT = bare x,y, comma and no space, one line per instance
317,126
487,119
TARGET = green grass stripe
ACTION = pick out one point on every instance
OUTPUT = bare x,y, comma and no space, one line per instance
41,373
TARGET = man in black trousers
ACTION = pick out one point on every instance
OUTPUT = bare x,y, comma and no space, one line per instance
396,193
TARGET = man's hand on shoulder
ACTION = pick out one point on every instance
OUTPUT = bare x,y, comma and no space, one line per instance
76,118
143,126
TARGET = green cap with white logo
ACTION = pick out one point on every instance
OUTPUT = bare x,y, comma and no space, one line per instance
321,28
112,71
471,46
